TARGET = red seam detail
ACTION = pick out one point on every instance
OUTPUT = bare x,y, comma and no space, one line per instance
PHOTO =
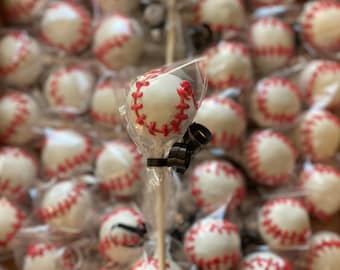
264,263
317,249
184,91
63,206
307,23
285,236
84,30
149,261
21,54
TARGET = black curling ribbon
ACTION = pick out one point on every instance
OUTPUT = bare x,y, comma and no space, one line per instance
140,230
180,154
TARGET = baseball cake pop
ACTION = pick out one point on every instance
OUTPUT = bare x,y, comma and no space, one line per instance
150,263
265,260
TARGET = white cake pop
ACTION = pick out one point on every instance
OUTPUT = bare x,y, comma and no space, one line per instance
160,105
213,244
21,11
118,41
11,221
225,119
320,83
319,21
216,183
318,135
150,263
262,3
284,223
265,260
68,90
220,15
19,114
66,206
66,26
65,152
228,64
321,186
272,42
324,251
121,6
20,59
275,102
18,170
104,105
270,157
43,256
118,244
119,168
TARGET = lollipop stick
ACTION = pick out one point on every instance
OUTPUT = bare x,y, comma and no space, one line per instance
170,50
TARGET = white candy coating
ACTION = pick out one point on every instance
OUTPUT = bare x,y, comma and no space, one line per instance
66,206
153,264
20,59
117,244
282,230
19,115
225,119
68,90
213,242
265,260
118,41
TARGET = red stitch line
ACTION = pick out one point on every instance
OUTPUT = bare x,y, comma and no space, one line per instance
149,261
125,240
219,27
128,179
253,157
262,92
84,30
307,130
264,263
317,249
323,67
305,177
63,206
6,185
229,80
116,41
23,51
213,226
15,226
285,236
184,91
208,166
15,10
21,114
307,23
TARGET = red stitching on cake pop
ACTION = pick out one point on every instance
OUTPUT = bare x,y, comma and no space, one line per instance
305,177
22,52
69,163
117,41
307,23
219,226
230,80
128,239
61,207
253,157
286,237
258,262
84,29
121,182
317,249
218,166
149,261
185,93
14,10
6,185
262,102
323,67
15,227
226,137
20,116
219,27
270,50
306,131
